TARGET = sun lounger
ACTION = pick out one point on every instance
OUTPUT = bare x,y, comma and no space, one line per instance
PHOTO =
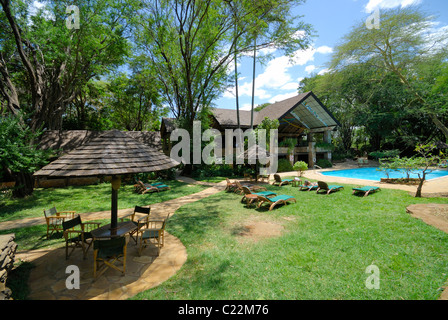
366,190
308,188
324,186
142,188
246,191
278,181
250,196
280,199
231,186
252,187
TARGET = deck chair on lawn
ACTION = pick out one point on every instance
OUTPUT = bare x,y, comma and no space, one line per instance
142,188
155,233
324,186
77,235
55,218
278,181
252,187
247,191
106,253
308,187
140,217
231,186
366,190
280,199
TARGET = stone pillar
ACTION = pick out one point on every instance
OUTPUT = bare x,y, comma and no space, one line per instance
311,151
7,254
327,139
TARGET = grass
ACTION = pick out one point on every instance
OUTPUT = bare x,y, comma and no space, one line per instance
89,198
211,179
81,199
327,244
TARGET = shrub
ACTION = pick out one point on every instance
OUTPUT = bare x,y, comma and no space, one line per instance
300,166
384,154
324,163
284,165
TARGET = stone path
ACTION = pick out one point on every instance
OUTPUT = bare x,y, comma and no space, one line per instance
48,278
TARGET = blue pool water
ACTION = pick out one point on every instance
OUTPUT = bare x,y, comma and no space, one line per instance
374,174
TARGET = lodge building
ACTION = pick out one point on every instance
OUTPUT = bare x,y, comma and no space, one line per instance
303,118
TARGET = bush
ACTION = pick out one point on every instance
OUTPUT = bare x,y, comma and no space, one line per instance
284,165
324,163
384,154
213,170
300,166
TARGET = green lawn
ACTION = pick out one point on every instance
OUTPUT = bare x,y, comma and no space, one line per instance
90,198
327,243
81,199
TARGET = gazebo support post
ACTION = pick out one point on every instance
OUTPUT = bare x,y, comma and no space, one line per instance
116,183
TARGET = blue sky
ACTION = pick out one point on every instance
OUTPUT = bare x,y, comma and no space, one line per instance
331,19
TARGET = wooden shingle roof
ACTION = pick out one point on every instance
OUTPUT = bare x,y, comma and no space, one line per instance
304,110
110,153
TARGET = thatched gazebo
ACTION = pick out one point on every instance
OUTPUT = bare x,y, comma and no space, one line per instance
113,154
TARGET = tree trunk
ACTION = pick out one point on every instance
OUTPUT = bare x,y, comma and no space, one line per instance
420,185
253,86
24,185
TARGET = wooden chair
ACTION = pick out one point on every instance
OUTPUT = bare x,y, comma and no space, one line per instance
366,190
278,181
252,187
154,233
280,199
55,218
156,187
231,186
106,254
140,217
324,186
251,197
77,235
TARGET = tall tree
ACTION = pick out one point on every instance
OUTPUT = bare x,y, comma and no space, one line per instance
404,42
52,62
191,44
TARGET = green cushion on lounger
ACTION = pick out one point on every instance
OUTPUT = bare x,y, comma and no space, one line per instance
265,193
280,197
365,189
161,186
309,187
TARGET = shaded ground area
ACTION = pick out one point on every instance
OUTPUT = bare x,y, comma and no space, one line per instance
48,278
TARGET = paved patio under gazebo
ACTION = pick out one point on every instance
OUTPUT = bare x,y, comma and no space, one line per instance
48,280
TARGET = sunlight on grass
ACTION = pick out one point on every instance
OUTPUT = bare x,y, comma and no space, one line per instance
327,244
90,198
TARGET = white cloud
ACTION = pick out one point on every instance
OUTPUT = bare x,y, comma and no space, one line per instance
323,71
281,97
387,4
247,107
310,68
324,50
276,76
290,86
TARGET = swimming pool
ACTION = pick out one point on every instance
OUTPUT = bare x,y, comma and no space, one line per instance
375,175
